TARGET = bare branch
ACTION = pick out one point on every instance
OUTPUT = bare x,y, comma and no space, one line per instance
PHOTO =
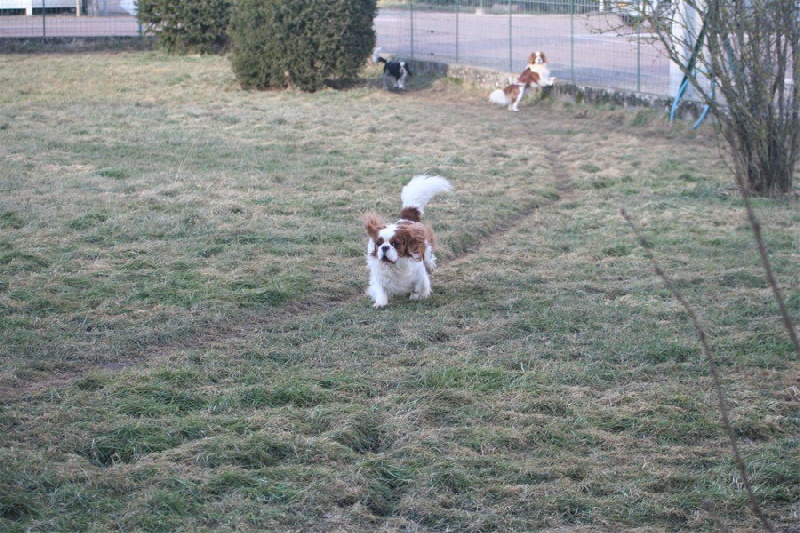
762,251
722,400
737,56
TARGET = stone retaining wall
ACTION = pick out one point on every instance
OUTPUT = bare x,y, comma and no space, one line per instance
490,79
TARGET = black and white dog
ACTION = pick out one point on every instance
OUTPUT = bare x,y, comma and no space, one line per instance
398,71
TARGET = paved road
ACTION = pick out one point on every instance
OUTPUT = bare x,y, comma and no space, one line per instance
590,50
582,49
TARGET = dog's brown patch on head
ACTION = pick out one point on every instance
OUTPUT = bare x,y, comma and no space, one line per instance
533,56
373,224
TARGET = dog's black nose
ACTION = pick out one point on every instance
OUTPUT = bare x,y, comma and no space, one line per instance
385,247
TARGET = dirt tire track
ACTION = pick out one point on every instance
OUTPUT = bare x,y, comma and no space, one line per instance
563,183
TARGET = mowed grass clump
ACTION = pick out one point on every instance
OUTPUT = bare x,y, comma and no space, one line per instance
187,345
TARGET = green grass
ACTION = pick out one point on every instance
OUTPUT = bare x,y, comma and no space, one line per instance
187,344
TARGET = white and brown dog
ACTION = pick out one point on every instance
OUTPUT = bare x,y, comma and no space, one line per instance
537,74
400,255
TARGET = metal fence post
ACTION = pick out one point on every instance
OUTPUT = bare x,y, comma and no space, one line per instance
458,11
572,40
639,57
411,11
510,40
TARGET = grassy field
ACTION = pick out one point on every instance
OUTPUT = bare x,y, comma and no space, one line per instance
187,345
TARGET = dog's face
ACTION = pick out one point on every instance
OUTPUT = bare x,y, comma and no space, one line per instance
537,58
389,243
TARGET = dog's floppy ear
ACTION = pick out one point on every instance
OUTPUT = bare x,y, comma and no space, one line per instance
373,224
416,240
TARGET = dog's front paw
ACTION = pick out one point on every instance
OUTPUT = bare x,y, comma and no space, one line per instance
414,296
378,295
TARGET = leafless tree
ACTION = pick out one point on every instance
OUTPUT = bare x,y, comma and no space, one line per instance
742,59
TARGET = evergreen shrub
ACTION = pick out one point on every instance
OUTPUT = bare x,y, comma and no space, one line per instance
300,43
187,27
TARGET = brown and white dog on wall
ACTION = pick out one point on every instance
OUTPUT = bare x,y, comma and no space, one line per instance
537,74
400,255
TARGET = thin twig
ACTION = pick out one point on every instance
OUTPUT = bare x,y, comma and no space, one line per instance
755,508
762,250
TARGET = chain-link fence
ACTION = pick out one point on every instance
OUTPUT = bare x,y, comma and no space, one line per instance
68,18
587,42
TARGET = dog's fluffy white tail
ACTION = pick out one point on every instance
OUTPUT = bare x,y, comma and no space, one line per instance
376,54
499,97
421,189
